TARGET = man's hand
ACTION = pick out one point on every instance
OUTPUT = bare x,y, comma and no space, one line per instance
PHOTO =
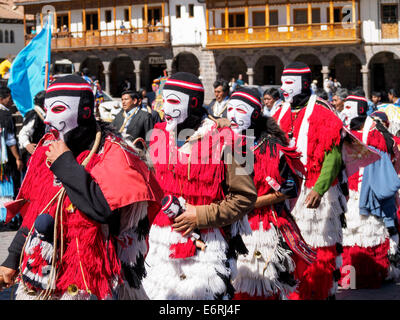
20,164
30,147
56,149
186,221
7,277
313,200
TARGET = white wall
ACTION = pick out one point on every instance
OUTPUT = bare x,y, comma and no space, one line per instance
18,45
186,30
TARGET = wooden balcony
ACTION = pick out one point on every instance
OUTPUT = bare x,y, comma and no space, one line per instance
103,39
284,35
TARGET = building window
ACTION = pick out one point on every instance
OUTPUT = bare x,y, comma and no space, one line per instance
258,18
1,36
191,10
300,16
108,16
62,22
389,13
6,36
338,14
316,15
126,14
92,21
273,18
236,20
178,11
12,40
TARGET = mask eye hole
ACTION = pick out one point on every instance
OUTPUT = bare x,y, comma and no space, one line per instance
241,111
347,107
58,109
173,101
230,109
288,82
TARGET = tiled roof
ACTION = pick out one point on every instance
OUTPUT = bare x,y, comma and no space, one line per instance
10,11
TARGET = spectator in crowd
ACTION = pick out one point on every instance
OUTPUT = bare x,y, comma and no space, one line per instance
132,122
394,95
272,100
336,85
232,85
376,98
338,100
33,127
11,161
146,106
322,94
217,107
240,81
328,87
314,86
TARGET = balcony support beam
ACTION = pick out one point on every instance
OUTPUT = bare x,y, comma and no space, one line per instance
266,20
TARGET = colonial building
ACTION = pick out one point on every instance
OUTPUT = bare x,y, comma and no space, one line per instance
11,29
355,41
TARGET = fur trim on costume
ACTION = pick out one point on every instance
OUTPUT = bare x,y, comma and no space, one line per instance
316,280
361,230
260,271
323,134
320,227
371,264
198,277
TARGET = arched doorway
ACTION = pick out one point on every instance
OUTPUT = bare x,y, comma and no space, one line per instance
268,71
315,65
384,72
231,67
152,67
95,67
346,68
186,62
121,68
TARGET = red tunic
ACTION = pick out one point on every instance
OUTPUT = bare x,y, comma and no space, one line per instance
123,184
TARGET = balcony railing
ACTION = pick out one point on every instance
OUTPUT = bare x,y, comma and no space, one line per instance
299,34
148,36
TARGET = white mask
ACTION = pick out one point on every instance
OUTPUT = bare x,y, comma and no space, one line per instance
291,87
61,114
175,107
239,114
349,112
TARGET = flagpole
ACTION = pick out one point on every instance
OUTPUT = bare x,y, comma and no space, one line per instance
46,79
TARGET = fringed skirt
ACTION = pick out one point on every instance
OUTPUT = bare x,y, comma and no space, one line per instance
204,276
261,274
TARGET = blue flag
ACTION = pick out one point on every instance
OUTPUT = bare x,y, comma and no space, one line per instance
27,72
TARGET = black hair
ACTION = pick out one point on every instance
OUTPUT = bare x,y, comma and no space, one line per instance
358,91
394,92
273,92
268,129
85,71
4,92
39,98
376,94
223,83
322,94
132,94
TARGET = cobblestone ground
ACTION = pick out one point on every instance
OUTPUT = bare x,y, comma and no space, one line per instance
388,291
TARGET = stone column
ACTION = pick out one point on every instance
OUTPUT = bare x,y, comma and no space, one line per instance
250,74
168,62
107,75
137,73
77,65
325,73
365,79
